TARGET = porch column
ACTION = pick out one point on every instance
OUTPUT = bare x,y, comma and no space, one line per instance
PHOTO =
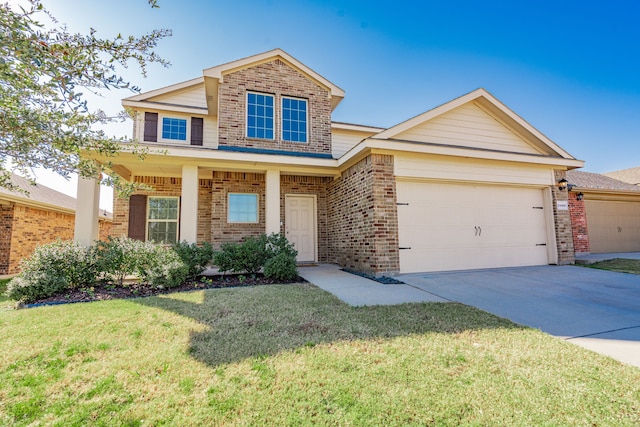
87,211
189,204
272,201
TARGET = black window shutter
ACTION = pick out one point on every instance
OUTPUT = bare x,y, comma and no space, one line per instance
137,217
151,127
196,130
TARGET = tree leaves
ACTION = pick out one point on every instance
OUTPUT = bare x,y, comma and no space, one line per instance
45,72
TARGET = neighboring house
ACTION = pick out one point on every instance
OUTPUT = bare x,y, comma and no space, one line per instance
631,175
28,220
607,216
250,147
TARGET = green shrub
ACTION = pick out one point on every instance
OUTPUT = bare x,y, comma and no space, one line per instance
246,257
195,257
51,269
119,257
281,267
255,253
162,267
277,244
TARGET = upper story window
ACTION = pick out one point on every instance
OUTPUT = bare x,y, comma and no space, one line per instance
260,115
164,128
294,119
174,129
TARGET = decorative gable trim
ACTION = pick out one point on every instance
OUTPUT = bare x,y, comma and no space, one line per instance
491,106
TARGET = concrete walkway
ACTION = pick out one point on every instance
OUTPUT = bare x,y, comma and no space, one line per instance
596,309
358,291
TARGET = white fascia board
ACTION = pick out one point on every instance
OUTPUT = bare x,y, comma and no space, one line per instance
355,127
166,107
35,204
164,90
446,150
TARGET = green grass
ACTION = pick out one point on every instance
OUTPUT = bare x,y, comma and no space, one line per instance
295,355
4,301
618,264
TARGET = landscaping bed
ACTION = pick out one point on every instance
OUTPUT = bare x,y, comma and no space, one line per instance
105,291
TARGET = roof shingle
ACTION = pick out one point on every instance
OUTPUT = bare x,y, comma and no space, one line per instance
598,181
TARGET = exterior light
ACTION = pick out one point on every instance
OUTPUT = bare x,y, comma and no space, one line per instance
579,196
562,184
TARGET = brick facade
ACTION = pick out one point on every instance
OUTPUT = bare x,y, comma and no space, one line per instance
22,228
294,184
579,225
224,183
6,225
562,222
362,217
279,79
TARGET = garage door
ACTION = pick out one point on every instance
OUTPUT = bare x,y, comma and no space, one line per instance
613,226
458,226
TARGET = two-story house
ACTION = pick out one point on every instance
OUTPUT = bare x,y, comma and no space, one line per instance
250,147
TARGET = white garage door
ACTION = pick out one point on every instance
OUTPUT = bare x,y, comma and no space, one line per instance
464,226
613,226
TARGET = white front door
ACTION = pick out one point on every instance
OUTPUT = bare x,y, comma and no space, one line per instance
300,224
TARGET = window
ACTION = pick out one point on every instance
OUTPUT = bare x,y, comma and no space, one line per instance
162,219
294,119
174,129
259,115
242,208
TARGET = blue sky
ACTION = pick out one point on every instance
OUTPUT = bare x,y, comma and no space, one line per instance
570,68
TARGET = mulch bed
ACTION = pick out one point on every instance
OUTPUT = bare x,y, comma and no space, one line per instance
102,291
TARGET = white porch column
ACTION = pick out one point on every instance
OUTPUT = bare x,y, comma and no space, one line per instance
189,204
272,201
87,211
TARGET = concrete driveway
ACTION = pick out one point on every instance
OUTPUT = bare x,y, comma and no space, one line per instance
597,309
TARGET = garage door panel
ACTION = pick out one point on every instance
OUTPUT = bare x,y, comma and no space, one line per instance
613,226
457,226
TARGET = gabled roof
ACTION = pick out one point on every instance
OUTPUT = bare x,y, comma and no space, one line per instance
493,107
41,196
211,78
595,181
631,175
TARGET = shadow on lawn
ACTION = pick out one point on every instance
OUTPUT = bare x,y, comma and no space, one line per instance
264,320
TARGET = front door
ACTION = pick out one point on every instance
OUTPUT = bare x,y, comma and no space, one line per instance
300,224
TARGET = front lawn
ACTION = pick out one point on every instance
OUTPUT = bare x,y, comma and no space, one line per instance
3,289
618,264
295,355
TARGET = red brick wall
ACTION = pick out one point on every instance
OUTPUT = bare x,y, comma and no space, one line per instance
224,183
579,224
33,227
294,184
6,226
276,78
362,217
562,221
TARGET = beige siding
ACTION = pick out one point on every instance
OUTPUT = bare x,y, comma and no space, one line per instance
468,126
451,168
343,140
210,131
190,97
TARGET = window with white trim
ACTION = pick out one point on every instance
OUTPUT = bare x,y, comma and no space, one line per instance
294,119
162,219
260,115
173,129
242,208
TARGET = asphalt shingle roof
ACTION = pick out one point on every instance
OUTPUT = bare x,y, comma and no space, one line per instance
39,193
598,181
